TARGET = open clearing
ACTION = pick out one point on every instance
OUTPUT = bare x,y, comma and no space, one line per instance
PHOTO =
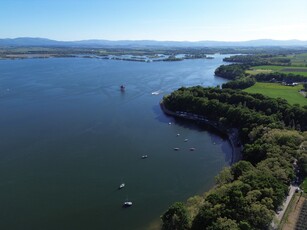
275,90
296,214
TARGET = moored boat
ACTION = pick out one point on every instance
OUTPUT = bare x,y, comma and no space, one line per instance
127,204
121,186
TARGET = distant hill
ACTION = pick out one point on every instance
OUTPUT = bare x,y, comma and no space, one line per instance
28,41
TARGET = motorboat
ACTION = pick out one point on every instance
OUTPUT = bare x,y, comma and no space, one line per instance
156,92
192,149
185,140
144,156
121,186
127,204
176,149
122,88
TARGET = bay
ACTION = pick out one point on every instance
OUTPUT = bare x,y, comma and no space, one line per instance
69,137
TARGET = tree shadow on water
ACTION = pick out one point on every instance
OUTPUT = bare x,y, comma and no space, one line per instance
217,137
161,116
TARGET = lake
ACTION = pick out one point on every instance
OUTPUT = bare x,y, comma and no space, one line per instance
70,137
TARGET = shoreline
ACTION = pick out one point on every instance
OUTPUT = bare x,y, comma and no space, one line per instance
95,56
232,134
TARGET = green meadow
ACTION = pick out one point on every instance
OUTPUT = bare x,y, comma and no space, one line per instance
298,66
274,68
290,93
298,59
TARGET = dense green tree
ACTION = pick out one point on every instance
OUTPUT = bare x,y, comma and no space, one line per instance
233,71
241,83
280,77
224,177
248,192
241,109
260,180
244,225
175,218
259,59
224,224
241,168
260,216
303,164
279,167
207,215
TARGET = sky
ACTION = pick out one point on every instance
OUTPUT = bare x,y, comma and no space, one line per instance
163,20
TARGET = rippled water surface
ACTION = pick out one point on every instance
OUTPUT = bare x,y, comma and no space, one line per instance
69,137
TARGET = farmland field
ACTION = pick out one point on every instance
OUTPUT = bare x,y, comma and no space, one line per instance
302,219
294,215
290,93
299,59
282,69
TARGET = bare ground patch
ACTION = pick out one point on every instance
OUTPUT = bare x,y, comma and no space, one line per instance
293,217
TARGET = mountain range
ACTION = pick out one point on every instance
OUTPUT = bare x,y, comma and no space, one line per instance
95,43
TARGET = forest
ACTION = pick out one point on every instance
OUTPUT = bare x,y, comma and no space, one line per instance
248,193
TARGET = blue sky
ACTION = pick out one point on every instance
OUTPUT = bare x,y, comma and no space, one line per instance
177,20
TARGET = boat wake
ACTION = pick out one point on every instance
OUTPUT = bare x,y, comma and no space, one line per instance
156,92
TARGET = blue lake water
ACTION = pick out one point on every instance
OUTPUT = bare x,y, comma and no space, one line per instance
69,137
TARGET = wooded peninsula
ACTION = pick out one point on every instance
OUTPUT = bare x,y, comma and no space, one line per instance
273,134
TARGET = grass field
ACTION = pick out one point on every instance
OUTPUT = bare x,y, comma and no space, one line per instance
298,59
282,69
290,93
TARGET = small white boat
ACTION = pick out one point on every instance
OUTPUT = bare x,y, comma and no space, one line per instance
178,134
127,204
192,149
156,92
176,149
144,156
185,140
169,123
121,186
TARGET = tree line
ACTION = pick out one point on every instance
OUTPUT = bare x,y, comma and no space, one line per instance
232,71
279,77
260,59
238,108
241,83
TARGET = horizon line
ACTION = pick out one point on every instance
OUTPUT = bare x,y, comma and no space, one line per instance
117,40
